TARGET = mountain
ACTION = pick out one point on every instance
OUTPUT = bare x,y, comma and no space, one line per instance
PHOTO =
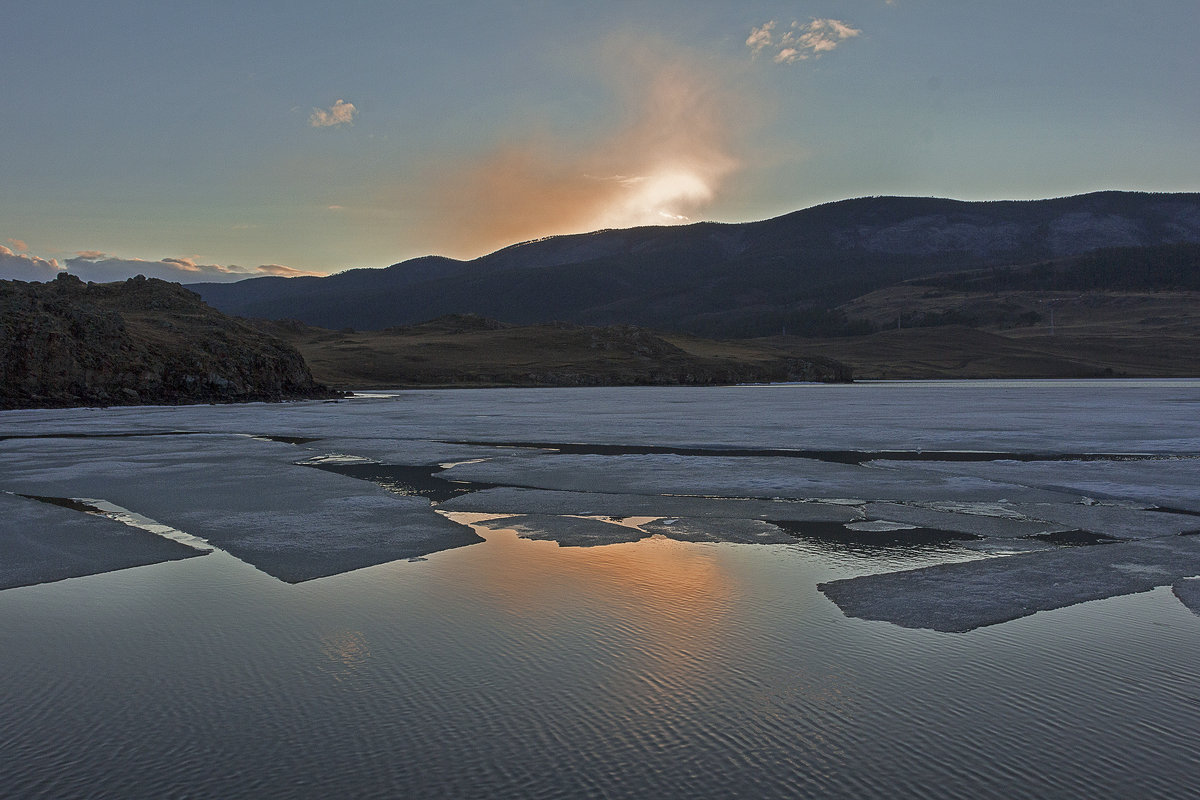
143,341
725,280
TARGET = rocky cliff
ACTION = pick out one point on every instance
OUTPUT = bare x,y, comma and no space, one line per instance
67,343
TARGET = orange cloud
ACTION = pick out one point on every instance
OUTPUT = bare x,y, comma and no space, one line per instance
282,271
18,245
663,163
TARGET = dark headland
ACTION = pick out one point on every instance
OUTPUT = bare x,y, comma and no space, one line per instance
141,341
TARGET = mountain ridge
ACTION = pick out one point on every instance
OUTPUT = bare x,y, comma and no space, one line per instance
724,279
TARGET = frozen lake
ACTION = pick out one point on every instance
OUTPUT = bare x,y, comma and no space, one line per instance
879,590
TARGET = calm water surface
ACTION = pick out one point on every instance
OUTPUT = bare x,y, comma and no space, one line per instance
517,668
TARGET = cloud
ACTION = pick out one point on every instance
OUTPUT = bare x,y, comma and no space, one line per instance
92,265
284,272
674,143
340,113
760,37
18,245
17,266
800,41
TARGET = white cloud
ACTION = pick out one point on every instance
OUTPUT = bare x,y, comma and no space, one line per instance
801,40
17,266
760,37
340,113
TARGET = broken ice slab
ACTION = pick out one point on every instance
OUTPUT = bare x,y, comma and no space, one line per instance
766,478
1020,519
995,525
1121,522
573,531
43,541
511,500
1188,592
567,531
243,495
964,596
1169,481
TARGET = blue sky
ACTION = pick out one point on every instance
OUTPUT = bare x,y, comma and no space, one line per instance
217,140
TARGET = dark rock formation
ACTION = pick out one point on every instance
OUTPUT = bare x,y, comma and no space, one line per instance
67,343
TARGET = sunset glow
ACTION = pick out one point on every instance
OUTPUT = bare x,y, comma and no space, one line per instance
183,145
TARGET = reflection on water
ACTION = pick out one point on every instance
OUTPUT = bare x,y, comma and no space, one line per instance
519,668
347,652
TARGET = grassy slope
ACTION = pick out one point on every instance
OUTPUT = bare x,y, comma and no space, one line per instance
477,352
1146,334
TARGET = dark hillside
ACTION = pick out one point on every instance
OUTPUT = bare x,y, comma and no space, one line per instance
726,280
66,343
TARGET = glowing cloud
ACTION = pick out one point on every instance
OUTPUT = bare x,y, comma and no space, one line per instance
800,41
284,272
17,266
18,245
340,113
664,163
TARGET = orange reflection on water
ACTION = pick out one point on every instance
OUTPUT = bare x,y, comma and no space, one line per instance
347,652
656,612
672,578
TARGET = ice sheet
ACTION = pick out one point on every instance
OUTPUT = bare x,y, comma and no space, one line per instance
40,543
1017,416
965,596
198,469
1168,482
1188,592
789,478
244,495
507,500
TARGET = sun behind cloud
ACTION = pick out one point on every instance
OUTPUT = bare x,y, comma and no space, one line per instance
663,164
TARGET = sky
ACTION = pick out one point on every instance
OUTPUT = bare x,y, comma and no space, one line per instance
218,141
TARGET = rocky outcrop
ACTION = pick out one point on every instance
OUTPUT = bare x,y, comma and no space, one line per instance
143,341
